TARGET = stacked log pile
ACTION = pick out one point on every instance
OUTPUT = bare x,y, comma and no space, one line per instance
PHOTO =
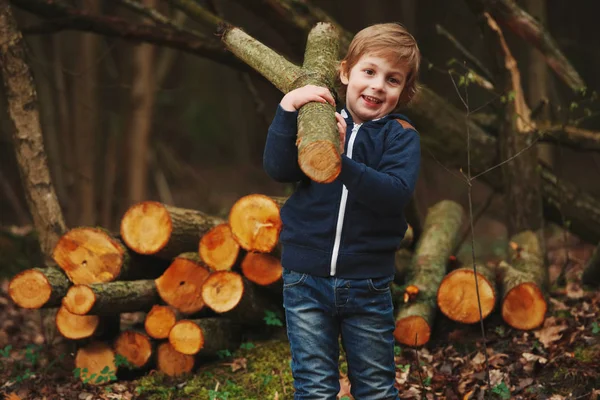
202,281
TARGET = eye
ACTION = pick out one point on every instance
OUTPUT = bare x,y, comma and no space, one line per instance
394,81
369,72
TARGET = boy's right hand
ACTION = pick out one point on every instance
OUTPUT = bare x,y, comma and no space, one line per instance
295,99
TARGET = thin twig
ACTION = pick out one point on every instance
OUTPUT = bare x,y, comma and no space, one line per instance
156,16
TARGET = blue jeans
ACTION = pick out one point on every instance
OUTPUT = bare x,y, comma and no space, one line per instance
317,311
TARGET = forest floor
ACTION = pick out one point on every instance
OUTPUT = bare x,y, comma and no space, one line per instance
560,360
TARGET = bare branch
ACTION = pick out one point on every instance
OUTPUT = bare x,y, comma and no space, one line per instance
198,13
156,16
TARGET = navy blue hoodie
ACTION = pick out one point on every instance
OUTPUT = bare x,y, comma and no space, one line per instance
351,227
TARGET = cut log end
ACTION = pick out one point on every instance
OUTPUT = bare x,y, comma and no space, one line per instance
524,307
30,289
135,347
74,326
186,337
180,285
173,363
320,161
79,299
159,321
412,331
457,296
92,360
262,269
89,255
222,291
146,227
218,249
255,223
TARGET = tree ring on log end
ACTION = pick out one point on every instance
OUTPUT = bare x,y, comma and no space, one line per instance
146,227
262,269
135,347
255,222
180,285
524,307
412,331
320,161
30,289
186,337
218,248
159,321
73,326
172,362
222,291
79,299
457,296
94,358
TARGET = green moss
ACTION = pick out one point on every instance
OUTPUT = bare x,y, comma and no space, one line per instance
587,354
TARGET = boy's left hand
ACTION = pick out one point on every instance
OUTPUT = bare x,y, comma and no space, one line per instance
341,125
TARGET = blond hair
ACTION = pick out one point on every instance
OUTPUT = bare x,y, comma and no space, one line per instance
393,42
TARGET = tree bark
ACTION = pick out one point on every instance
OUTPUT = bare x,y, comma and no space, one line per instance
524,283
204,336
427,269
111,298
153,228
39,287
27,133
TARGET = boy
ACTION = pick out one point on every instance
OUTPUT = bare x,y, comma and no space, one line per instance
339,239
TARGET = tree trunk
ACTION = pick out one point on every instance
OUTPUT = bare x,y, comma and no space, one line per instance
142,99
92,359
523,284
39,287
74,326
164,231
205,336
27,133
181,283
171,362
159,321
591,271
255,223
218,248
136,347
427,269
457,295
318,138
111,298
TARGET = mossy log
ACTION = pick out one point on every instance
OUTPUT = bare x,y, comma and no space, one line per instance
255,223
402,260
264,270
427,269
159,321
591,271
111,297
181,284
218,248
39,287
171,362
318,138
523,283
92,360
136,347
153,228
204,336
457,294
228,293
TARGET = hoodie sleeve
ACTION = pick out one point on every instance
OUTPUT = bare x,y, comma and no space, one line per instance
280,158
389,188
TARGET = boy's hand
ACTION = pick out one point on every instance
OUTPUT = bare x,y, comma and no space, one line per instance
341,125
299,97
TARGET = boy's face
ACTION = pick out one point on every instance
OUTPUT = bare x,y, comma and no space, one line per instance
374,86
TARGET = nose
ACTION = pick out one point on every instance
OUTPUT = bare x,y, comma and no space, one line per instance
377,84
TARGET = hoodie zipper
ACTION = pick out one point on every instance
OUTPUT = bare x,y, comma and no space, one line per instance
340,220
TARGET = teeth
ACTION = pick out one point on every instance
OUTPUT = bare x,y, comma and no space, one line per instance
372,99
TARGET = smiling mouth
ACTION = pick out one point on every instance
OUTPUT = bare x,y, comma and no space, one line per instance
371,100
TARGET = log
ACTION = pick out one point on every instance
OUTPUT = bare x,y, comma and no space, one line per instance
73,326
440,232
457,294
402,260
591,271
205,336
181,283
153,228
111,297
159,321
90,255
263,269
228,292
136,347
255,223
38,287
92,360
218,248
523,304
171,362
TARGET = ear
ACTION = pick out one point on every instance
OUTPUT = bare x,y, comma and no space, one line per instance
344,72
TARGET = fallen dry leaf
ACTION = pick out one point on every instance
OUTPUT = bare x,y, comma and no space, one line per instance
12,396
478,359
550,332
533,357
